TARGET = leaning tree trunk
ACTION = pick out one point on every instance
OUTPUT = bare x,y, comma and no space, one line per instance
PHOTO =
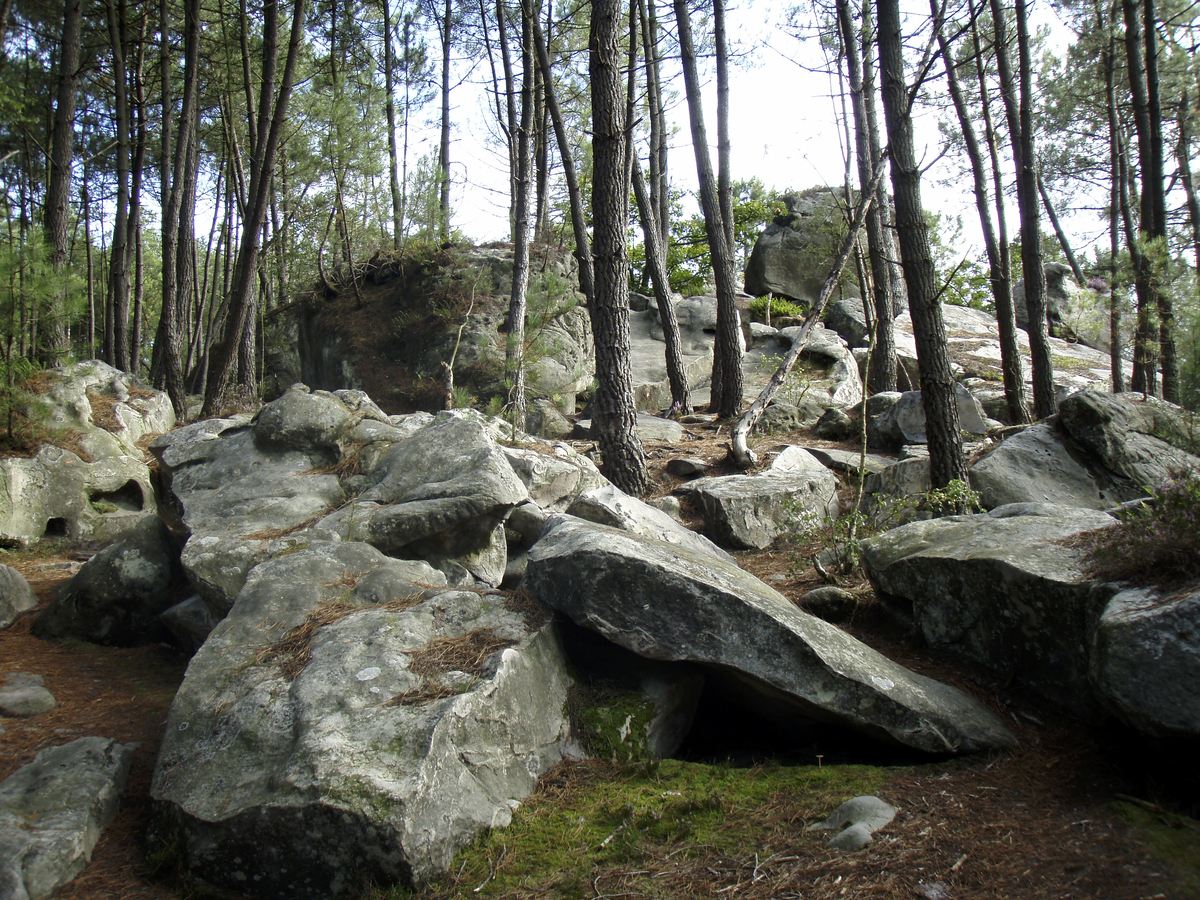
583,253
614,418
740,448
656,263
946,460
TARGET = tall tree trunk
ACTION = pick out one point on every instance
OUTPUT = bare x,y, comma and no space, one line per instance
515,355
116,348
1018,104
1146,273
998,276
1116,354
882,374
444,143
58,185
946,460
272,111
175,173
614,418
389,74
727,386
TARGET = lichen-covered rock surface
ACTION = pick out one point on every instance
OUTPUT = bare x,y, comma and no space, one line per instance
352,721
664,601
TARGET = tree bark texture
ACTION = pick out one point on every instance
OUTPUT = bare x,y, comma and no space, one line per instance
614,418
727,382
946,460
998,274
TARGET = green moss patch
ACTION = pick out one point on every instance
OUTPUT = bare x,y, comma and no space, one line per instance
592,821
1172,839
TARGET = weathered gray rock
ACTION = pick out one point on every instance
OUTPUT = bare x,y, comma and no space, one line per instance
793,255
629,708
52,812
543,419
1145,661
190,621
116,596
782,416
747,512
1000,589
1061,289
616,509
845,317
850,461
16,596
834,425
554,475
904,423
664,602
1146,440
831,603
238,502
444,493
856,820
649,428
1037,466
24,694
55,493
415,718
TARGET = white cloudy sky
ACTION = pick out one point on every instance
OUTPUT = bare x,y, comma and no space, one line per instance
784,126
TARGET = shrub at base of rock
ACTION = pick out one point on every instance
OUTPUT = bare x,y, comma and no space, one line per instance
52,812
349,723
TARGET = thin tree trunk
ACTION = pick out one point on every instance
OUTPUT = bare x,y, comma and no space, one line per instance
1063,241
444,143
58,185
389,74
272,109
515,355
583,253
614,418
882,374
1116,351
727,385
1018,105
999,278
681,402
740,448
117,326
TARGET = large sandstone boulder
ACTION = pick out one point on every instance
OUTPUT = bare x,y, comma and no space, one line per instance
793,255
1143,439
353,722
665,602
1146,660
117,596
1002,589
1038,465
748,512
52,812
16,596
904,421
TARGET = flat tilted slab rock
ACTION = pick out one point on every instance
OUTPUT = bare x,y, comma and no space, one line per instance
664,601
